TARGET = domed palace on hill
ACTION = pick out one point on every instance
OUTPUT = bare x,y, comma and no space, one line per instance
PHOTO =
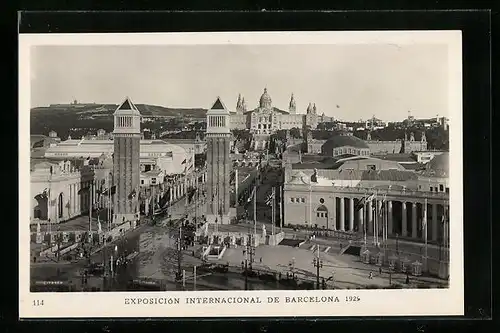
266,119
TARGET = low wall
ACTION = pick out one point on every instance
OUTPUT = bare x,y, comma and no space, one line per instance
64,250
77,236
66,236
275,239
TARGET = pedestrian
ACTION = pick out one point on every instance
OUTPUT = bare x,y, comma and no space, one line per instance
380,270
370,276
261,260
407,279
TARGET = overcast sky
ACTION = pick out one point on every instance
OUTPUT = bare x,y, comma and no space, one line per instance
362,80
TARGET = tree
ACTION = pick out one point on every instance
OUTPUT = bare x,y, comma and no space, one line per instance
295,133
241,135
330,125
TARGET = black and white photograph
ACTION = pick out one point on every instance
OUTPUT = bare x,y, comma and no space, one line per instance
256,164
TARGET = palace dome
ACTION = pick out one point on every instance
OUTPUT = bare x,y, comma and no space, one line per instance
265,100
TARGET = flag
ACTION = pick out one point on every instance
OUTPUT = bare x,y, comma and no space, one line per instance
113,190
269,199
99,226
250,197
364,200
84,190
132,194
184,162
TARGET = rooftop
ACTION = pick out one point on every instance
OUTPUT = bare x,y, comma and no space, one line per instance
343,141
396,157
375,175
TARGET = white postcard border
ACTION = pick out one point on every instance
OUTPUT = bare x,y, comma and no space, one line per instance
416,302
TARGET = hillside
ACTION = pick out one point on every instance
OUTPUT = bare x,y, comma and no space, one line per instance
64,118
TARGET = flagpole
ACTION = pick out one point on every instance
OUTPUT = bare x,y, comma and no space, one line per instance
375,202
255,209
109,202
364,222
49,208
273,209
281,208
425,233
386,220
90,206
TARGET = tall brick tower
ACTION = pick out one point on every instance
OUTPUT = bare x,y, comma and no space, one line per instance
219,165
126,165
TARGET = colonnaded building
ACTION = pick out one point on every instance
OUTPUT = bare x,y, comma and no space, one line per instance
267,119
327,198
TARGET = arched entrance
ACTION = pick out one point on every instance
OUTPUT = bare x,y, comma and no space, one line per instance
322,217
40,211
60,206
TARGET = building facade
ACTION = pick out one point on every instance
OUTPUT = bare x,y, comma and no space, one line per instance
126,162
219,164
404,146
265,120
329,199
152,153
61,191
345,145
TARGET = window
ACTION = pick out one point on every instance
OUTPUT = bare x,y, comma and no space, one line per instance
371,167
292,200
142,181
441,188
303,200
447,190
321,200
430,188
318,214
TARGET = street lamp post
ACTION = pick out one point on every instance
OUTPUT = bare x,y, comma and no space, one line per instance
246,268
318,263
292,266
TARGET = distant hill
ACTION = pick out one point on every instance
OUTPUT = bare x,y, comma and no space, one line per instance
62,118
99,110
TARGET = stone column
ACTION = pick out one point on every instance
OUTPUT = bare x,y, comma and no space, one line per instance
434,233
342,216
414,220
380,220
78,198
389,218
171,194
361,223
73,199
351,214
334,214
404,223
369,228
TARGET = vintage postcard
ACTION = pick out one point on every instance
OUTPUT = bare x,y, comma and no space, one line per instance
240,174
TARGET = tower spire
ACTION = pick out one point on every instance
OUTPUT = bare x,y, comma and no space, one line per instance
292,106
